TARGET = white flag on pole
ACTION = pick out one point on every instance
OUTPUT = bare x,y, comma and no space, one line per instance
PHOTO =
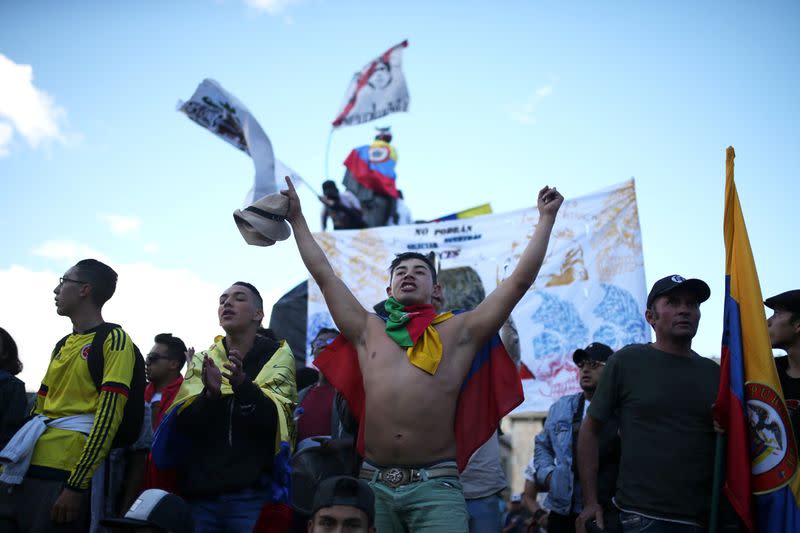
224,115
376,90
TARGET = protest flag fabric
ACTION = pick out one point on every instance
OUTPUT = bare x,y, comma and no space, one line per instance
220,112
376,90
483,209
761,480
372,166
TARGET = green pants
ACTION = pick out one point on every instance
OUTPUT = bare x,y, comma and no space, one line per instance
432,506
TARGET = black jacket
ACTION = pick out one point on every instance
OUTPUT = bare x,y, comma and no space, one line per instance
13,406
232,438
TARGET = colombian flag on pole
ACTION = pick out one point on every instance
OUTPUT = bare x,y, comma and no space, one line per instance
761,480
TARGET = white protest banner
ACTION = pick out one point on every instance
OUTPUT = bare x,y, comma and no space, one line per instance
376,90
590,288
224,115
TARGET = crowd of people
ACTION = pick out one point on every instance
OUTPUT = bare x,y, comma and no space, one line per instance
383,438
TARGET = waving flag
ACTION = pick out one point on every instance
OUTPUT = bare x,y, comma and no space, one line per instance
376,90
761,482
372,166
225,116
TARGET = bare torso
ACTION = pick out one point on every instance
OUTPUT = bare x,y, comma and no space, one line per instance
409,413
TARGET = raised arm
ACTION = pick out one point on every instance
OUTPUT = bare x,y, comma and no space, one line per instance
348,314
485,320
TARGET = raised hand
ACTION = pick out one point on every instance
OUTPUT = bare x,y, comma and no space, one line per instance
234,365
189,355
212,378
295,212
549,201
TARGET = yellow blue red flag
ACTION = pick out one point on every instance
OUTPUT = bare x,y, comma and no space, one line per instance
762,482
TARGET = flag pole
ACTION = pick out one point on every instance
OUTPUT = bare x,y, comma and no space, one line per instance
716,489
327,155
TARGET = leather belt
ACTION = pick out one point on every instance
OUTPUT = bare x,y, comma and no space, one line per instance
394,477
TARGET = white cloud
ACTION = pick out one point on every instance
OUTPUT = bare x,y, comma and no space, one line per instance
526,113
148,300
151,248
67,251
28,110
273,7
121,224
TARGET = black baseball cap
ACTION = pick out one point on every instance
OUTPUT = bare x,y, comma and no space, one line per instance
597,351
345,490
156,508
670,283
788,301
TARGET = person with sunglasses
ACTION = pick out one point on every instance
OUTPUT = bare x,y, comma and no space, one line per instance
552,468
163,366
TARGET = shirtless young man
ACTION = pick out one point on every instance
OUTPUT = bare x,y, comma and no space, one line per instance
410,413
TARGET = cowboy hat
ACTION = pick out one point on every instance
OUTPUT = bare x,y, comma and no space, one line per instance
264,222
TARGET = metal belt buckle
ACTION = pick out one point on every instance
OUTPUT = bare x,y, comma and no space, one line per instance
393,477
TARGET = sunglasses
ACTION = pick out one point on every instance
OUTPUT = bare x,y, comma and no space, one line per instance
590,363
152,357
321,343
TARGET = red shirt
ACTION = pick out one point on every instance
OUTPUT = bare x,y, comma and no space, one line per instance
317,409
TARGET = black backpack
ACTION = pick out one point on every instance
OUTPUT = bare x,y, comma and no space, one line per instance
133,413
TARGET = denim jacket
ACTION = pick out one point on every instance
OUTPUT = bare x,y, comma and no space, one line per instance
552,454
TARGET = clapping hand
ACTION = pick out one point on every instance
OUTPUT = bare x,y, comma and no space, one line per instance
212,378
236,375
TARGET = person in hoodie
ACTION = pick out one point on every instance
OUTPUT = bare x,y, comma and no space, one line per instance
234,411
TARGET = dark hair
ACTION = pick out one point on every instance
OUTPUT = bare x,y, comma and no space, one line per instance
399,258
324,331
258,300
10,355
101,277
329,184
176,349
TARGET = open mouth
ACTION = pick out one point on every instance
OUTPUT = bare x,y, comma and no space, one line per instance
408,287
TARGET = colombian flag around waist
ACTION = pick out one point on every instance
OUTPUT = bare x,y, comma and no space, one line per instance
761,480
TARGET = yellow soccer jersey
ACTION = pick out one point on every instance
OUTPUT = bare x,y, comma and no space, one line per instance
68,389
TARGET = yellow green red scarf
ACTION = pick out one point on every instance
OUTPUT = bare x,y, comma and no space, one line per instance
411,327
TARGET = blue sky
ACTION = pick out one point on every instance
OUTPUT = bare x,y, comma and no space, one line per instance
505,97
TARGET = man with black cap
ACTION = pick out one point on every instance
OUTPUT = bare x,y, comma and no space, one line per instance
343,504
553,465
662,394
784,334
155,510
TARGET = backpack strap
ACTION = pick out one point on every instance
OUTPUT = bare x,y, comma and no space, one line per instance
60,344
96,359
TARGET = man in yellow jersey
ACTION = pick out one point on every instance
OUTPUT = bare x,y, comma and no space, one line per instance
51,460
